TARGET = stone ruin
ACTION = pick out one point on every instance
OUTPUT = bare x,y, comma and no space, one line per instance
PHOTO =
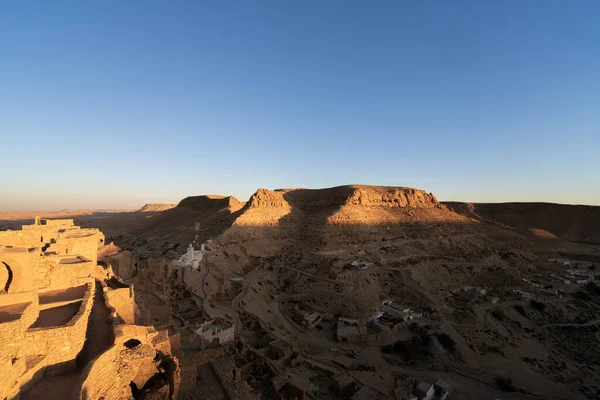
50,283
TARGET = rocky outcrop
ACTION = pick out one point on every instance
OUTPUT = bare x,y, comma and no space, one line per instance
374,196
265,207
210,202
264,198
342,204
155,207
351,195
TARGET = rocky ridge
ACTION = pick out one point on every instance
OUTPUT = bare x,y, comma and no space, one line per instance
577,223
154,207
211,202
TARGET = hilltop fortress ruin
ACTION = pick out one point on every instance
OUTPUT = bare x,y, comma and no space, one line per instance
59,317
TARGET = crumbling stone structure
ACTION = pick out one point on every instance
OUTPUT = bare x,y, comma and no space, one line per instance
139,362
46,296
49,275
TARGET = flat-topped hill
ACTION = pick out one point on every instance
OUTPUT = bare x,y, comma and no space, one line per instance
352,213
578,223
351,203
210,202
155,207
358,195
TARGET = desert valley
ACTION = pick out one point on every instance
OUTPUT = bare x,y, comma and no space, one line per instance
352,292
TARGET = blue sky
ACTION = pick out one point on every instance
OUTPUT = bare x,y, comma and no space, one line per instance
113,104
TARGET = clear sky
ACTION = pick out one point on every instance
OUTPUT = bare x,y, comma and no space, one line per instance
113,104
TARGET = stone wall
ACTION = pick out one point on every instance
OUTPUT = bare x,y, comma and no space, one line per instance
158,269
12,357
123,263
45,256
62,238
39,350
54,274
22,264
61,344
85,244
51,256
122,300
190,361
22,238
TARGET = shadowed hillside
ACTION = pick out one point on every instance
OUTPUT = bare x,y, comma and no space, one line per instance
343,252
167,233
575,223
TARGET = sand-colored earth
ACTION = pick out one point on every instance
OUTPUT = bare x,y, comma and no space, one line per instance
341,252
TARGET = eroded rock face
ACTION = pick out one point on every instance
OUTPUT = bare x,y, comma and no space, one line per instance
392,197
577,223
264,198
265,208
352,195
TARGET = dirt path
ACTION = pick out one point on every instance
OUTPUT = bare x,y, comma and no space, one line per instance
312,275
99,335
